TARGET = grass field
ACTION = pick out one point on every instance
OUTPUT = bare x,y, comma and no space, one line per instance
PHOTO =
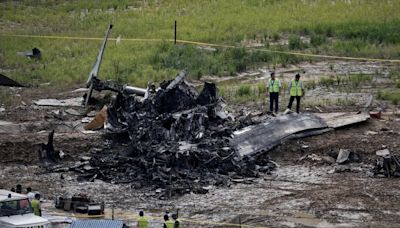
342,27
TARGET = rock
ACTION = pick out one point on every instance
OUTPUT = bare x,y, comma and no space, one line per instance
86,120
383,153
92,113
371,133
72,112
85,158
343,156
328,159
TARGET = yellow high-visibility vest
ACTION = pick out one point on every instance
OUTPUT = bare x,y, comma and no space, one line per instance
36,207
180,223
143,222
295,89
273,86
169,224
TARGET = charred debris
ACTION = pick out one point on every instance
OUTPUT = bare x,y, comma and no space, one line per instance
174,139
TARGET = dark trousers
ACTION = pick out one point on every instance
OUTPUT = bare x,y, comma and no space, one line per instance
297,103
273,97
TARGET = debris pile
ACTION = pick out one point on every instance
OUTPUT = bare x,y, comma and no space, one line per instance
177,141
387,164
80,204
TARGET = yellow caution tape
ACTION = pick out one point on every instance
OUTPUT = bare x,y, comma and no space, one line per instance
211,45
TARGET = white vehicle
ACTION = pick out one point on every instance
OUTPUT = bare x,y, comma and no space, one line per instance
16,212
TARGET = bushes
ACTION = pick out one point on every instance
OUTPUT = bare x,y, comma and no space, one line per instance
317,40
393,96
295,42
201,62
244,90
358,79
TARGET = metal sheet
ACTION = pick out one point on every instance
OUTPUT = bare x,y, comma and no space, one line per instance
265,136
341,119
6,81
71,102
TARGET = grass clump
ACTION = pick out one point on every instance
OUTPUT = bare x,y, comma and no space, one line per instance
395,76
244,90
243,93
317,40
327,82
393,96
296,43
357,79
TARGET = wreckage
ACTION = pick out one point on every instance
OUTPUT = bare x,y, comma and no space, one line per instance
176,140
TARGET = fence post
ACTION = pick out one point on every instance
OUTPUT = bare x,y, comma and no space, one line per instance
175,33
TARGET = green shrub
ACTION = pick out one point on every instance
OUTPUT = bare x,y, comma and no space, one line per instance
243,90
393,96
275,37
295,42
310,85
358,79
317,40
327,82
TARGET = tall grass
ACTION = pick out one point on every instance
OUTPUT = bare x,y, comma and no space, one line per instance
360,28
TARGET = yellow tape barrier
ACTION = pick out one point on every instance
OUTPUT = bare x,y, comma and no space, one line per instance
211,45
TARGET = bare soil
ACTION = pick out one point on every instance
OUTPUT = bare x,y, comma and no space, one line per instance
305,191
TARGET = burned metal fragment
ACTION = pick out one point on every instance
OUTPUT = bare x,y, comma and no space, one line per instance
6,81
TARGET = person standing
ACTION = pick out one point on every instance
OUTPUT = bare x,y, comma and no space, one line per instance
274,87
296,91
30,194
36,205
177,221
167,222
143,222
18,189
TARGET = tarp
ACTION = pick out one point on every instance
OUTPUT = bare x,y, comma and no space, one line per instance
97,224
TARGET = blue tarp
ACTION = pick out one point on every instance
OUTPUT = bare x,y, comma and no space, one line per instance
97,224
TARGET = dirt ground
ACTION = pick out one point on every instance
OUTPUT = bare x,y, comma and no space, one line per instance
304,191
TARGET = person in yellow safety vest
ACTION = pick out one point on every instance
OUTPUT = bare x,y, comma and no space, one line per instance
177,222
36,205
296,90
143,222
274,87
168,223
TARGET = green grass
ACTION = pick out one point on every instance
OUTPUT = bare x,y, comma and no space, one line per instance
351,81
358,28
243,93
390,95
